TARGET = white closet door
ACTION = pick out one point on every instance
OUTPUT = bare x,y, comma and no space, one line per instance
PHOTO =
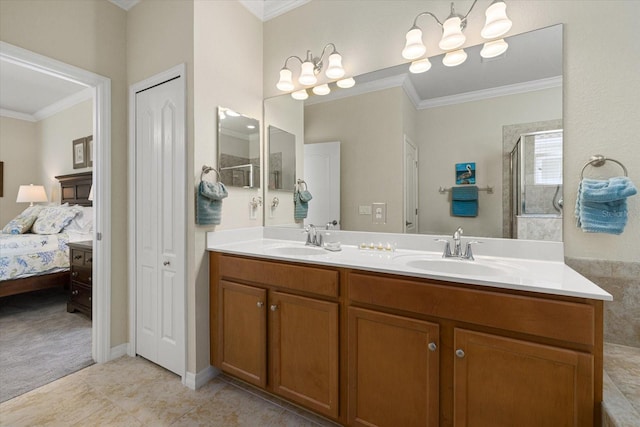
322,175
160,220
410,186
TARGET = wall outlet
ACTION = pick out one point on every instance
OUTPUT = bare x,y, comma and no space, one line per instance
379,215
364,210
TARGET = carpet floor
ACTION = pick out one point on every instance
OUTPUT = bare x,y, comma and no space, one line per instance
39,341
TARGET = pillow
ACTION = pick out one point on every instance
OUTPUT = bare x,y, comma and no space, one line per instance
23,222
83,222
51,220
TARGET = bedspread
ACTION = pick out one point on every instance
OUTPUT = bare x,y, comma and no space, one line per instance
27,255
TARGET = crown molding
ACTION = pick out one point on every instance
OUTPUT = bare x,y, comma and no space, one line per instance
269,9
358,89
17,115
64,104
125,4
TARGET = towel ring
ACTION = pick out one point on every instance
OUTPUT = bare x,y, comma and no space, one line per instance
300,182
599,160
206,169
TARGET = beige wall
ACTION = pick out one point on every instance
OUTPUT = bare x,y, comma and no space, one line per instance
600,94
90,35
371,146
228,73
55,135
19,152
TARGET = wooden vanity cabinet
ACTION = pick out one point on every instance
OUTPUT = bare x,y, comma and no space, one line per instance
272,336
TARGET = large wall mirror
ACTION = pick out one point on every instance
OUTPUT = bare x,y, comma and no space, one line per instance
401,136
239,149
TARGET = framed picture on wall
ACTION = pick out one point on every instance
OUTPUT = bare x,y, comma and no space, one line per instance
79,154
88,150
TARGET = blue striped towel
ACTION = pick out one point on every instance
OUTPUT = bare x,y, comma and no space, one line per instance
464,201
301,204
601,206
209,202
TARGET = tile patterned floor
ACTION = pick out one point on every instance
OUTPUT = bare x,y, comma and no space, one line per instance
134,392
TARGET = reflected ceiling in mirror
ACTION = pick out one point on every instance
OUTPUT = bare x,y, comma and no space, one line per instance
238,149
450,115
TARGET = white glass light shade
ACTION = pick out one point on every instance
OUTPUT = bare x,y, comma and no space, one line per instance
494,48
90,194
420,66
497,22
452,37
307,76
300,95
346,83
335,70
414,48
31,193
285,83
457,57
322,89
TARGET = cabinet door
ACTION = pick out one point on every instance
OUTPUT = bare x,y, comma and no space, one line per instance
393,370
506,382
304,351
243,332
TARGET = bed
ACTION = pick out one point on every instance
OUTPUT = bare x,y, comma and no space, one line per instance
48,252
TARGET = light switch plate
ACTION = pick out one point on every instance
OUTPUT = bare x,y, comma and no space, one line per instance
379,213
364,210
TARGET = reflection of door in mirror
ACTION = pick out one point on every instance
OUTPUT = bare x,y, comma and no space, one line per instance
322,175
410,186
239,149
282,160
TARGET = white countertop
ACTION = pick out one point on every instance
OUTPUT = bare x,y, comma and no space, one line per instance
499,263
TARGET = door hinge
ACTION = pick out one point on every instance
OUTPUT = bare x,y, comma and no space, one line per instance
98,236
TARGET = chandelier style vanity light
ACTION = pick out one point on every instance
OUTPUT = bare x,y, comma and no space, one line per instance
496,25
309,70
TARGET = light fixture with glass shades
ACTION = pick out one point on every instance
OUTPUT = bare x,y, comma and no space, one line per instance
496,25
310,68
31,193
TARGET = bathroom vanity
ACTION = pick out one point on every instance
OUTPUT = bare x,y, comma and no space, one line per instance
373,337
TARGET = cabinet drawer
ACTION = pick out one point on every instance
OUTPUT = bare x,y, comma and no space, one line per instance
80,294
562,320
88,259
82,275
306,279
77,257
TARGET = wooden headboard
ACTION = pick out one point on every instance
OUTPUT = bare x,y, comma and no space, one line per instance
76,188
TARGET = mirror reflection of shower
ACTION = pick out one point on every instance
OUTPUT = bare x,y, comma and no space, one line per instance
536,182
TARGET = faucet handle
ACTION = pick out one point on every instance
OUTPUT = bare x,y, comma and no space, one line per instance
447,248
468,253
458,233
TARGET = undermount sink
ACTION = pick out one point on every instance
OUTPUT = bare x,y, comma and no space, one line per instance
296,250
457,266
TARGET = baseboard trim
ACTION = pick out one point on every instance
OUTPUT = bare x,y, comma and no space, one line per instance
119,351
195,381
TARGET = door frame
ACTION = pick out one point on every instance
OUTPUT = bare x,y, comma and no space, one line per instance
179,71
101,88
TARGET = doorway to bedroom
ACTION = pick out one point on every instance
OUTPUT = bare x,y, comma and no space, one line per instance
41,334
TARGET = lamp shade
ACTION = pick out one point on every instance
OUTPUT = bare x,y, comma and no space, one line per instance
285,83
346,83
322,89
457,57
494,48
335,70
90,194
497,22
31,193
420,66
452,37
414,48
307,75
300,95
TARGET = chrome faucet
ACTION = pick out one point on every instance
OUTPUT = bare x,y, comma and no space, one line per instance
313,237
457,247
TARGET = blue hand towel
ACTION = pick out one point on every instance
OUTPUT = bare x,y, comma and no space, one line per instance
464,201
301,204
601,205
209,202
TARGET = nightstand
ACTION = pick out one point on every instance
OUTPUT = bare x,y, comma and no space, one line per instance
81,269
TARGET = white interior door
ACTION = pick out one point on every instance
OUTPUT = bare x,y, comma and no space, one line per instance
322,175
160,225
410,186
